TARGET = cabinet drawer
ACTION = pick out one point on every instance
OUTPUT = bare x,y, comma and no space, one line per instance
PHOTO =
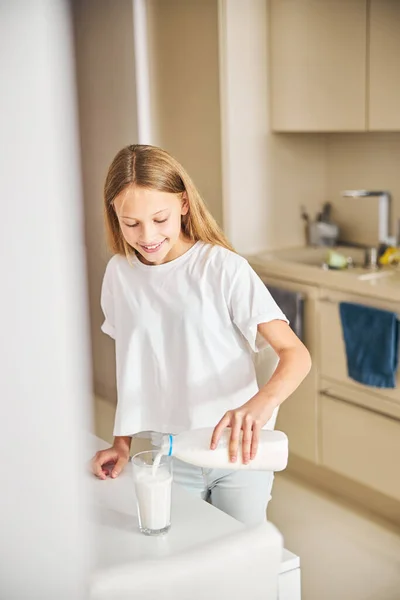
333,362
361,445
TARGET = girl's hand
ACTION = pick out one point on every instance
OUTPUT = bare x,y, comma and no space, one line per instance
249,418
110,461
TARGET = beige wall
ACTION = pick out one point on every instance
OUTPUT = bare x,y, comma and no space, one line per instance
297,176
184,80
107,111
363,161
310,169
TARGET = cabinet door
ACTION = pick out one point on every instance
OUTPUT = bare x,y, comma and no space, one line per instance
333,362
361,445
384,61
318,65
297,416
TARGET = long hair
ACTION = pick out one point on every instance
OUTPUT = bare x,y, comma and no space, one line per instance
153,168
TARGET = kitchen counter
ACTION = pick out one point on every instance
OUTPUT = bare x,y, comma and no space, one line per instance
383,284
118,540
342,433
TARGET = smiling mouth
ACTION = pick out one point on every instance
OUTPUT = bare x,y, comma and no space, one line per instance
152,248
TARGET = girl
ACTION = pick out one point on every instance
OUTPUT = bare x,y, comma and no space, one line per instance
187,313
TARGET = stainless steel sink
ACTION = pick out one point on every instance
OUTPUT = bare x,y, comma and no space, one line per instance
317,257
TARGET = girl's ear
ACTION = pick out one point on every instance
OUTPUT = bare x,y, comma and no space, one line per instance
185,204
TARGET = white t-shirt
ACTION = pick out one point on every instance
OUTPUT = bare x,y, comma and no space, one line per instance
185,332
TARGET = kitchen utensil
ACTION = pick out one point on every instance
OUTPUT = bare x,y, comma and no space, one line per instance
371,258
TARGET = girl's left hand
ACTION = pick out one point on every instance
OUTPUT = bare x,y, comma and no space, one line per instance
249,418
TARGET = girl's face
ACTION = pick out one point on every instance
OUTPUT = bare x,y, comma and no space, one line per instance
150,222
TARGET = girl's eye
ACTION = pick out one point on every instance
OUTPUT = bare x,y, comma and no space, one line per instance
136,224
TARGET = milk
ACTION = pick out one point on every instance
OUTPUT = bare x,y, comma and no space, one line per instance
194,447
153,493
156,463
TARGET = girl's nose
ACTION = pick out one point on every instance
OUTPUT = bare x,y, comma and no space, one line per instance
147,232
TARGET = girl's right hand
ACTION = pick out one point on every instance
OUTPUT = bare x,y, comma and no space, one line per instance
110,461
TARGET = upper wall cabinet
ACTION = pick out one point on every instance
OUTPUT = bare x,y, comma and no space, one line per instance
335,65
318,57
384,65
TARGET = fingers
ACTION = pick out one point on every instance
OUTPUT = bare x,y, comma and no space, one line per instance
255,440
120,464
100,459
247,438
239,420
223,424
236,427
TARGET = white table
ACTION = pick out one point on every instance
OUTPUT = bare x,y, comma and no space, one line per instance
117,536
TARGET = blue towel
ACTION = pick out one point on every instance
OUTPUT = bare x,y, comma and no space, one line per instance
371,338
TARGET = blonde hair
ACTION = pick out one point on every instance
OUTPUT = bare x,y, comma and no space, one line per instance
153,168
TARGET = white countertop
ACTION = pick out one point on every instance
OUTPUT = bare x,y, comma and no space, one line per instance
115,524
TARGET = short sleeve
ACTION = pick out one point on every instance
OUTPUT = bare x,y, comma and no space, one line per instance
250,304
107,305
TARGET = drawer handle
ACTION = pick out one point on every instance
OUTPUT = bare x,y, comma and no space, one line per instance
329,394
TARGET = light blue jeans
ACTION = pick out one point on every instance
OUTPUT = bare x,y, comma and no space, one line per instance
244,495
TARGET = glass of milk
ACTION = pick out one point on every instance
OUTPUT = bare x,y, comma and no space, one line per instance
152,474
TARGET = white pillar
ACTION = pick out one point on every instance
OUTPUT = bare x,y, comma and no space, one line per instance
45,372
145,132
243,63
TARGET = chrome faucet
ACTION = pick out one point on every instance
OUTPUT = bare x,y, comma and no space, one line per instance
384,211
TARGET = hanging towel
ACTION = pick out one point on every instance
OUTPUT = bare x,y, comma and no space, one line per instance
371,338
292,305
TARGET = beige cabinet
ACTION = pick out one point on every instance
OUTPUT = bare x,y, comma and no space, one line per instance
361,445
332,354
335,66
343,436
359,435
384,65
298,416
318,54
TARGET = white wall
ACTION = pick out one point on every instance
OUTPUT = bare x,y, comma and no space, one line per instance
244,97
45,374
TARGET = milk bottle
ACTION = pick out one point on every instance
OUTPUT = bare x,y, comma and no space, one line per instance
194,447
